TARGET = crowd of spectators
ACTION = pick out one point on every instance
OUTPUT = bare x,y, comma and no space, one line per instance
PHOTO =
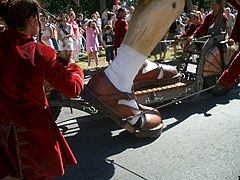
73,34
184,27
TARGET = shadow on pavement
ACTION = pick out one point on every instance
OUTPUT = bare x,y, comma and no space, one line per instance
98,140
93,147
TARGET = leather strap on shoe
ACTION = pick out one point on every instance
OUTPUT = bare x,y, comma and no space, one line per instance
140,122
161,72
158,71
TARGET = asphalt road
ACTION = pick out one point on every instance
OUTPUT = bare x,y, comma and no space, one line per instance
200,141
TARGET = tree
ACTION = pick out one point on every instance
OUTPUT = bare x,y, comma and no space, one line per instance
189,5
87,7
102,5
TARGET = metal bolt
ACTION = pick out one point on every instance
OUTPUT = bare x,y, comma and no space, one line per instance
174,5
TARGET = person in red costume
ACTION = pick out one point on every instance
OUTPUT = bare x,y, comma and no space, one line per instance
194,18
235,35
209,20
195,23
31,145
230,75
120,28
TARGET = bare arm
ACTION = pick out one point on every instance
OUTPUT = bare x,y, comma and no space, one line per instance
85,25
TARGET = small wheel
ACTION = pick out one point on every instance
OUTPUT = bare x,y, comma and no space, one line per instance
213,68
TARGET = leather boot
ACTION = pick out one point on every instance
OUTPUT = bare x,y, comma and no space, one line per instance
108,94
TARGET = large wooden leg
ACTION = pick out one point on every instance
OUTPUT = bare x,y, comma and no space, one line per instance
150,22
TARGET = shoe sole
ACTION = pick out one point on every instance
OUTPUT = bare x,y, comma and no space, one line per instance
90,96
150,133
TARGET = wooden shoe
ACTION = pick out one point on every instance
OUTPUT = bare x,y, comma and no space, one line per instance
104,96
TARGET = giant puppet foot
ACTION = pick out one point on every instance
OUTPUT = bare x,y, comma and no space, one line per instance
153,74
105,97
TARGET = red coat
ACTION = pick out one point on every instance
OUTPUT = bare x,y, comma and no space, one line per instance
120,29
231,74
31,144
208,21
235,35
191,30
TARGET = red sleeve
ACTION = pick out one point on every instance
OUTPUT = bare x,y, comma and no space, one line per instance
235,4
231,74
123,29
225,19
202,30
67,80
120,30
190,30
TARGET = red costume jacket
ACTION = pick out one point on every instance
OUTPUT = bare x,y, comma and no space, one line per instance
235,35
230,75
208,21
191,30
30,141
120,29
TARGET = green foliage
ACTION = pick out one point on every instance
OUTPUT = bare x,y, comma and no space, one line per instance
56,6
87,7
